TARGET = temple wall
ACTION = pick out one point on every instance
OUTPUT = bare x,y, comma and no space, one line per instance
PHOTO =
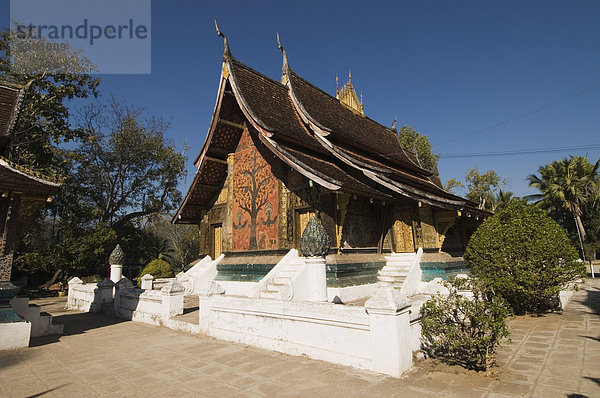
255,205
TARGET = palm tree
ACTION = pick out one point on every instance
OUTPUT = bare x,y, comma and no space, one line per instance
503,198
162,249
567,184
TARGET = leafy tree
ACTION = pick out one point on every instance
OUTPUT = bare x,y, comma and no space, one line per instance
410,139
53,250
54,75
524,256
461,330
569,184
125,170
452,184
183,239
482,187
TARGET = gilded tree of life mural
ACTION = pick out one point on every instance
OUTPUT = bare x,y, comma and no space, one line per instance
255,199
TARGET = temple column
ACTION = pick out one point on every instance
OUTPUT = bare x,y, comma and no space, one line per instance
316,277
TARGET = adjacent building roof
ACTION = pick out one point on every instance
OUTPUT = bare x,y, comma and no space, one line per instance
20,179
11,97
15,178
312,132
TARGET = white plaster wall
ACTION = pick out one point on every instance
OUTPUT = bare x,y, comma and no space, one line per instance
148,306
323,331
565,296
236,288
81,297
14,335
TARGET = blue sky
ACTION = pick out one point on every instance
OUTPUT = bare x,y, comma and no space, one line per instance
446,68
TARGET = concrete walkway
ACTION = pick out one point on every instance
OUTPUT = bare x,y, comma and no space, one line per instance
557,355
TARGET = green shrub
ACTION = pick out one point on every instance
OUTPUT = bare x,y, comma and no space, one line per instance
521,254
464,331
158,269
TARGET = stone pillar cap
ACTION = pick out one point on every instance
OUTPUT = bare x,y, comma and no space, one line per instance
124,283
75,281
211,289
387,300
106,282
172,287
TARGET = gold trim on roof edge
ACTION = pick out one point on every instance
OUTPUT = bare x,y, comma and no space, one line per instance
33,173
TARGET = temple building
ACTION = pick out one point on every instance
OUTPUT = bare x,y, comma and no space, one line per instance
279,152
23,192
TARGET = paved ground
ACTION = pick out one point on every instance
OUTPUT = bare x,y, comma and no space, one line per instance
557,355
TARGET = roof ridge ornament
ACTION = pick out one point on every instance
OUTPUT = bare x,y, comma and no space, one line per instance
347,96
285,68
226,52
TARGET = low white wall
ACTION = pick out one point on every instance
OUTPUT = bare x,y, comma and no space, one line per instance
14,335
380,340
321,331
89,297
148,306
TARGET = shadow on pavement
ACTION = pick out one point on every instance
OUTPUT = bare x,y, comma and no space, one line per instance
75,323
594,379
47,391
593,299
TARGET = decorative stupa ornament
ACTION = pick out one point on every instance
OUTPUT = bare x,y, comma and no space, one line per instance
117,257
116,261
347,96
315,241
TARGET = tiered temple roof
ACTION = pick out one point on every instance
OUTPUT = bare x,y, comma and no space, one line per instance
15,178
11,97
316,134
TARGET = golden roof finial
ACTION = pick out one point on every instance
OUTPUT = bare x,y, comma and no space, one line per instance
347,96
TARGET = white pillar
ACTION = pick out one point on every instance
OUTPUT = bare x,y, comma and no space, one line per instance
120,286
212,288
147,281
172,299
103,293
116,272
316,279
389,320
74,283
